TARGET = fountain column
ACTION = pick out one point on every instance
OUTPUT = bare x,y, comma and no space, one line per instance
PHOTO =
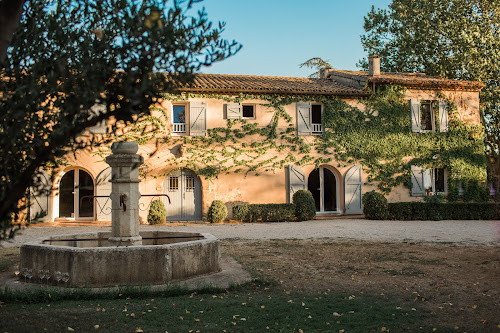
125,194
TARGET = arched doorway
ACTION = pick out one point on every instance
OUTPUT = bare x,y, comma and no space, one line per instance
75,190
184,189
323,185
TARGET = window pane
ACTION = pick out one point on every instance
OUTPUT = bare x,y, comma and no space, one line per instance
189,183
179,114
86,189
173,183
248,111
426,116
316,114
438,180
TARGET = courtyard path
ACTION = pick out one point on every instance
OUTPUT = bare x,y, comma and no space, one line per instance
456,232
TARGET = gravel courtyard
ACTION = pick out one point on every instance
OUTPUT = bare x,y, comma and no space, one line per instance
456,232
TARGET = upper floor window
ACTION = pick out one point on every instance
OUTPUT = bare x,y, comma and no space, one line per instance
428,115
189,118
178,118
248,111
316,111
239,111
309,117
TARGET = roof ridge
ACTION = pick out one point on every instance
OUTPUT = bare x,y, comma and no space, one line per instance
261,76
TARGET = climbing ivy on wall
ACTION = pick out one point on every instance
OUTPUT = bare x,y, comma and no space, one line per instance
378,137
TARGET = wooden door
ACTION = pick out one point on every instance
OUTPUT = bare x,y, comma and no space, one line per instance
184,189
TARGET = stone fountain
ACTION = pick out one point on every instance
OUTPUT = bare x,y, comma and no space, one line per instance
123,256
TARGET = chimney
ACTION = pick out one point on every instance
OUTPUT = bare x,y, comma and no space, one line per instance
323,73
374,65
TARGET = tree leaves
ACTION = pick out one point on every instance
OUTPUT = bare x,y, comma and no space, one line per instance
456,39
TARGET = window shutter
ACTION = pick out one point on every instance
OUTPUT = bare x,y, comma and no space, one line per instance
197,118
304,119
352,191
443,116
415,115
103,188
100,128
296,181
233,110
417,181
40,198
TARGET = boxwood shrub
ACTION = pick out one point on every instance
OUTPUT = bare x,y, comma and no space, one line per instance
264,212
157,213
375,206
217,212
305,208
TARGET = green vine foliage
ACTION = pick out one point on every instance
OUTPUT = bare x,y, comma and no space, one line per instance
378,137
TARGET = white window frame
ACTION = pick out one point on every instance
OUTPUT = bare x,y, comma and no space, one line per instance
254,111
317,128
437,125
175,129
433,114
433,172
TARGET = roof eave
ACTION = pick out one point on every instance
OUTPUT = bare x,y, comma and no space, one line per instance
275,92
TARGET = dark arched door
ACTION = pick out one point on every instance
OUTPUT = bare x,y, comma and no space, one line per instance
323,186
76,189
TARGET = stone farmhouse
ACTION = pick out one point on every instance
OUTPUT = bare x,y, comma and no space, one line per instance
226,137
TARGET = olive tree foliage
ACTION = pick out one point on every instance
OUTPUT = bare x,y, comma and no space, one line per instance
66,65
456,39
317,64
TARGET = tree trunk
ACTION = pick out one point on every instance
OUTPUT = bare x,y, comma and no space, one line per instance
10,14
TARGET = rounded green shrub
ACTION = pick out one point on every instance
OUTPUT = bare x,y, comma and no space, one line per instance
375,206
305,208
157,212
217,212
240,212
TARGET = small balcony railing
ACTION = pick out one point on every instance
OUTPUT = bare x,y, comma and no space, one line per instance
179,128
317,128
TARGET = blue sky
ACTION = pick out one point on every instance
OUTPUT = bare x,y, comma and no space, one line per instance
278,35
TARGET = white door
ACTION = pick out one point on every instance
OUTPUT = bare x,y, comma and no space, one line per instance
184,189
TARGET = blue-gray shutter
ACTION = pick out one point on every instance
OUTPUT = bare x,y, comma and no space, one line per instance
233,111
102,126
415,115
304,119
103,188
296,180
352,191
417,181
40,196
443,116
197,118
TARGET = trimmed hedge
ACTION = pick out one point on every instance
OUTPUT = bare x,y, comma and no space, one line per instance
264,212
444,211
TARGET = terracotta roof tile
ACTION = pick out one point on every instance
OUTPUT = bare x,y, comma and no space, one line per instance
253,84
416,80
